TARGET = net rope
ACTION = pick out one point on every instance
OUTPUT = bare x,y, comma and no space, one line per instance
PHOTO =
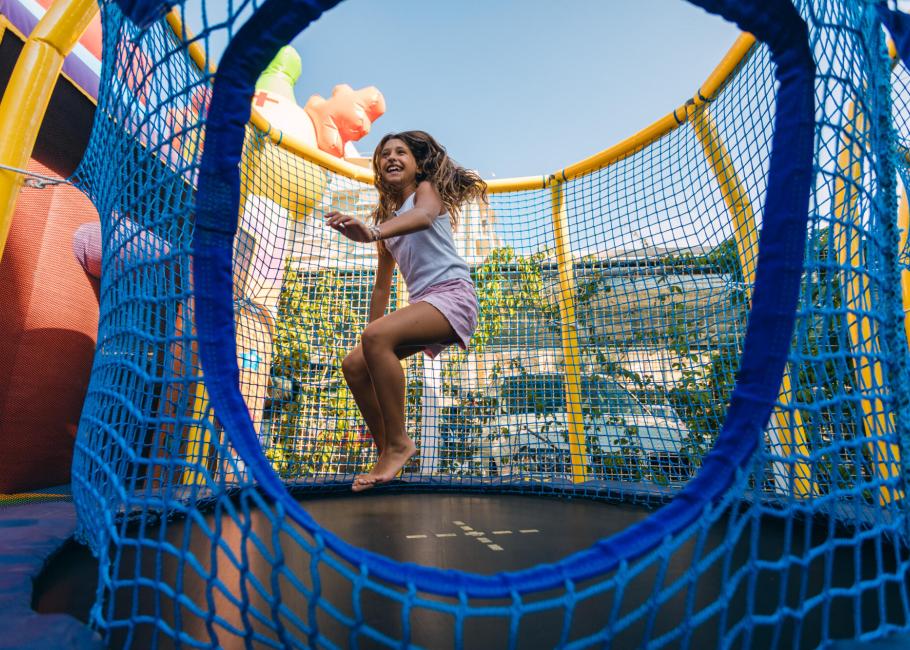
658,267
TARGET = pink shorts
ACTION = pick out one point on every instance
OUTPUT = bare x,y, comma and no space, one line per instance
456,300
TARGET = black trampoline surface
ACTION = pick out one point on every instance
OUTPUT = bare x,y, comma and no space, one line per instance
474,533
481,534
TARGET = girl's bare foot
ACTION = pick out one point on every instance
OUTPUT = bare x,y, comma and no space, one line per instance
364,480
368,476
393,458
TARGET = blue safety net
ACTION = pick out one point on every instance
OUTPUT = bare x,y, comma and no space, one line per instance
709,325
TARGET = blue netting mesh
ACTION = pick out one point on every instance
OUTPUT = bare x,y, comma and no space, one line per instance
636,324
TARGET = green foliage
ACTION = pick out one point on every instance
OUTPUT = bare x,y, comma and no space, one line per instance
320,429
506,283
823,381
627,463
701,398
723,258
819,378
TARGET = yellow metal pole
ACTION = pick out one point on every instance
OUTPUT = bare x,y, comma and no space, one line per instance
578,448
903,224
29,91
789,431
857,301
198,442
193,47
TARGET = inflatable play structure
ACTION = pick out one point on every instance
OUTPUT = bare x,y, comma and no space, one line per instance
51,314
682,422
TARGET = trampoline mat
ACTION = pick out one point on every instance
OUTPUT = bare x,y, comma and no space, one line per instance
483,534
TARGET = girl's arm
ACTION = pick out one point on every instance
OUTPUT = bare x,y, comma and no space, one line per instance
382,287
427,206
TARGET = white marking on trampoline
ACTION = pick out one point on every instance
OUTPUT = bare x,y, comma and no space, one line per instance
479,535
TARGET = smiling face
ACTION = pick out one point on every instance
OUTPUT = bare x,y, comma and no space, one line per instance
397,164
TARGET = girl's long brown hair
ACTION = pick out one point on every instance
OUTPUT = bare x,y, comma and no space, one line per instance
456,185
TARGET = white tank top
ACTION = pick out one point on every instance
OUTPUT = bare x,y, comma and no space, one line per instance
427,257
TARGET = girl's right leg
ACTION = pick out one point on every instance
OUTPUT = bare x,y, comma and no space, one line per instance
359,381
357,376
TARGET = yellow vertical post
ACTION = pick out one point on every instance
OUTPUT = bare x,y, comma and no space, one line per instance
857,303
903,224
578,448
789,431
198,440
29,92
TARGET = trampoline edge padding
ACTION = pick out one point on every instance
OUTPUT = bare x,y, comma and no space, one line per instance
29,535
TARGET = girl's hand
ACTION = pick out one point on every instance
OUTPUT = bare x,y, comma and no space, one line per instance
351,227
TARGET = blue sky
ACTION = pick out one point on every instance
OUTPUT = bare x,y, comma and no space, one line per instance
511,87
515,88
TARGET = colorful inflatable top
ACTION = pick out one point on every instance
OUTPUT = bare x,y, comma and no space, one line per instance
330,125
83,65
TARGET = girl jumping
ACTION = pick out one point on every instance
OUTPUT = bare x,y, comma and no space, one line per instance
421,191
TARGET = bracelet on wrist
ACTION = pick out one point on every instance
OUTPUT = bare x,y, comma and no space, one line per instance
377,234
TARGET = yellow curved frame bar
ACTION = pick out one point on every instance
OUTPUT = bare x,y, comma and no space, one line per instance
679,116
617,152
29,91
903,225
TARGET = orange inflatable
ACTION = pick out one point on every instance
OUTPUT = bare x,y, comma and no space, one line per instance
49,310
49,316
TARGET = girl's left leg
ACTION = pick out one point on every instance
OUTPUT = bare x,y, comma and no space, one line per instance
415,325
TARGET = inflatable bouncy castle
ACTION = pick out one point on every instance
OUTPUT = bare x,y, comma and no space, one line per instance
51,313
